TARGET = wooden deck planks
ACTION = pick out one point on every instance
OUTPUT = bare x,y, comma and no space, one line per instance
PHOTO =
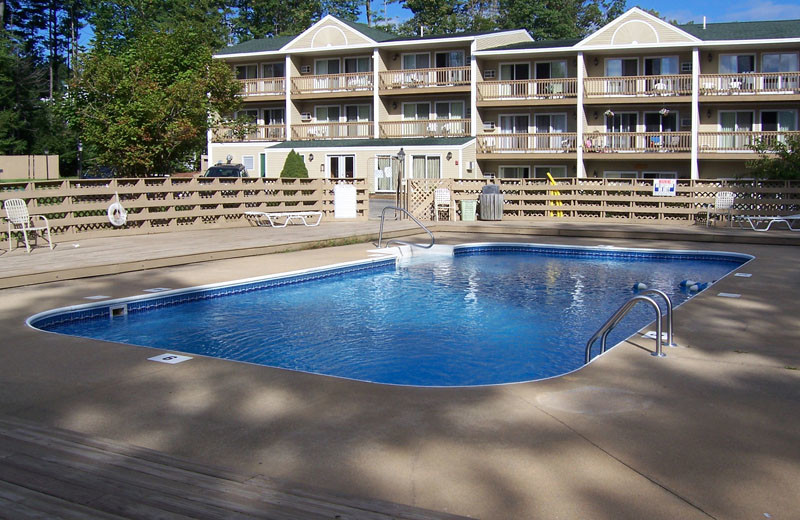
53,473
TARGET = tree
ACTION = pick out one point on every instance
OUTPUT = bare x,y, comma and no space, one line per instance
294,167
777,158
144,108
559,19
265,18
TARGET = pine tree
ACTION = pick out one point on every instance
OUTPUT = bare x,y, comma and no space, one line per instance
294,167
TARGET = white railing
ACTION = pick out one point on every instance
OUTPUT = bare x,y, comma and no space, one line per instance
436,77
225,134
541,142
750,83
528,89
610,142
426,128
666,85
345,130
354,81
263,87
739,141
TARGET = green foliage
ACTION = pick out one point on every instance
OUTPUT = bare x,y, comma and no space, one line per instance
294,167
264,18
778,158
143,106
559,19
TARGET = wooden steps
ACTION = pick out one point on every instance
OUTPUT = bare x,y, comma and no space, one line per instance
52,473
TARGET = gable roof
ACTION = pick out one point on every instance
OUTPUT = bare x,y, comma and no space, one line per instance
768,30
273,43
370,32
540,44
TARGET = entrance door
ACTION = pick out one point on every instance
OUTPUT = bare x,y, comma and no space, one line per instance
549,124
517,125
622,124
737,130
341,166
515,74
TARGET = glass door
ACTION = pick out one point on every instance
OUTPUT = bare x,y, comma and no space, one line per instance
621,67
549,124
622,124
384,173
326,67
357,114
516,73
738,126
551,70
775,63
517,127
341,166
446,60
360,66
327,117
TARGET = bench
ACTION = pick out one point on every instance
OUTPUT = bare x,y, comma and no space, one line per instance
260,218
756,221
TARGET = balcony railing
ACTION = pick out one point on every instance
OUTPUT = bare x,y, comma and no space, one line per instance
528,89
438,77
348,130
263,87
674,85
739,141
750,83
426,128
542,142
258,133
350,82
638,142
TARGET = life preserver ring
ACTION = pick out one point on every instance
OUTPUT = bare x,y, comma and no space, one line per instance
117,215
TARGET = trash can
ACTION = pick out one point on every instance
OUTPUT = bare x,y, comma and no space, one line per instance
468,208
491,203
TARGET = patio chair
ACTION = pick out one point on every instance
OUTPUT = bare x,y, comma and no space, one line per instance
442,202
20,221
723,205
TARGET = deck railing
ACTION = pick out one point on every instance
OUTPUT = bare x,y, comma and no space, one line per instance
426,128
750,83
77,208
348,130
610,142
541,142
224,134
666,85
263,87
435,77
610,200
528,89
739,141
350,82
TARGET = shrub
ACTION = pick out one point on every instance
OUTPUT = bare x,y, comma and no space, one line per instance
294,167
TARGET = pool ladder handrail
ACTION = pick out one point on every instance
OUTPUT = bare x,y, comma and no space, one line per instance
396,241
612,322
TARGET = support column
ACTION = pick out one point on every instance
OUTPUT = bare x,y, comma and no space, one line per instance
695,169
473,89
288,94
376,99
580,169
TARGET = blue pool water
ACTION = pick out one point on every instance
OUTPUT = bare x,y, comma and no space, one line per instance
488,315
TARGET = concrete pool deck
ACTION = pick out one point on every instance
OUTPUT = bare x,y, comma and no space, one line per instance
711,431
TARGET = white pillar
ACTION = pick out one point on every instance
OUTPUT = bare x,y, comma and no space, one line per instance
288,94
473,89
209,151
376,99
695,170
579,113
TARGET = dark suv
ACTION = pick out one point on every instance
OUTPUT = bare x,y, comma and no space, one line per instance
226,170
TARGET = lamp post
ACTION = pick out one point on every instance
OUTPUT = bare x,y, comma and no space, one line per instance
80,160
401,158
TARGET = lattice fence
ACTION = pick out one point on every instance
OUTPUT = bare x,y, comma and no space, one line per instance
78,207
610,200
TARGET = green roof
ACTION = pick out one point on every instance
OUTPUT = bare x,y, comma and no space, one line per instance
274,43
370,32
744,30
375,143
542,44
465,34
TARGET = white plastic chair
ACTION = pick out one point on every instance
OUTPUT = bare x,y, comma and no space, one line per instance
20,221
723,204
442,202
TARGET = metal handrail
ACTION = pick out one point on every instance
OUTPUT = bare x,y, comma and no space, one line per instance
670,342
396,241
612,322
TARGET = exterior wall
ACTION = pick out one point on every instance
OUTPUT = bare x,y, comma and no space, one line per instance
711,66
493,114
500,39
328,34
238,151
494,64
636,27
40,167
397,64
710,169
638,165
599,69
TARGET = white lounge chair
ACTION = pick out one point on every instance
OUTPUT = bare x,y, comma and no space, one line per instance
20,221
791,221
261,218
442,202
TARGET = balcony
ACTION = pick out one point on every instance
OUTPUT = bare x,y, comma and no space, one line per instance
263,87
333,83
757,83
638,86
639,142
225,134
561,142
426,128
348,130
528,89
738,142
418,78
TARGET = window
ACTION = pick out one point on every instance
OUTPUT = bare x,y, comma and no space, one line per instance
733,64
413,112
657,122
249,162
329,115
416,110
425,167
662,65
357,114
361,64
622,67
246,71
517,125
517,73
540,172
551,69
326,66
341,166
777,121
274,116
612,174
738,125
779,62
450,59
515,172
624,123
449,109
384,175
416,61
250,115
659,175
273,70
549,124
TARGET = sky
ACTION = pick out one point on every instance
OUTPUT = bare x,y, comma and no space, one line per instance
688,10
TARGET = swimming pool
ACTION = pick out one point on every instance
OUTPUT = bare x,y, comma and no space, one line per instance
488,314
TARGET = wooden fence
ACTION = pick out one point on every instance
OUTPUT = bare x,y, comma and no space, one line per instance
77,208
610,200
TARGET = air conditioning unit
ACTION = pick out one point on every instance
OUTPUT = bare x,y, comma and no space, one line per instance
305,69
488,126
470,165
489,74
305,116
